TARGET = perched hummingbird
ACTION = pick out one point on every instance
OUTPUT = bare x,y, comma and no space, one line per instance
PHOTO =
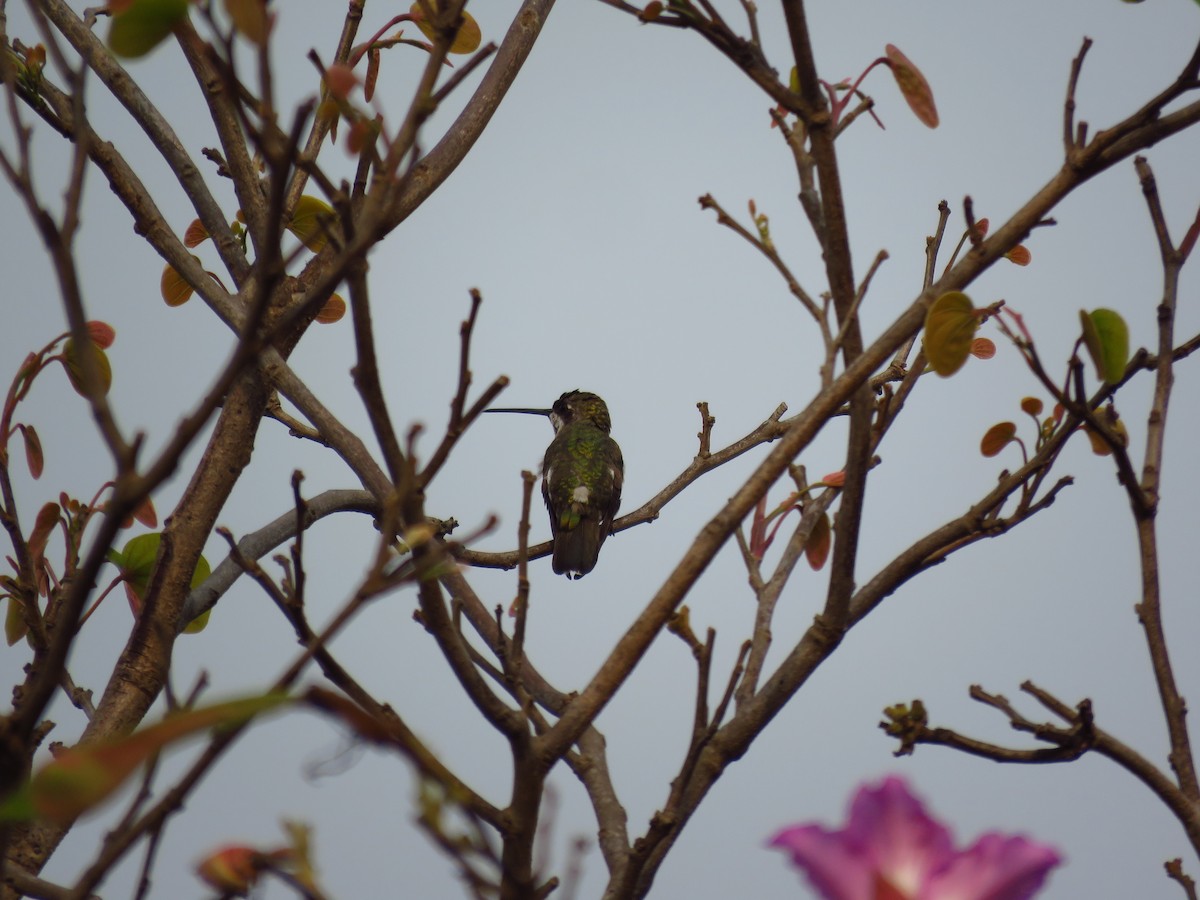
581,479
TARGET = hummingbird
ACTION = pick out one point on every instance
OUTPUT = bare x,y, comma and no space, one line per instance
581,479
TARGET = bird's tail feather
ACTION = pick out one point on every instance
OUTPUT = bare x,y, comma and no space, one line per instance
576,551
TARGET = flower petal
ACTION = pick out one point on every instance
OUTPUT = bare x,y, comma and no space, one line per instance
837,870
996,867
905,845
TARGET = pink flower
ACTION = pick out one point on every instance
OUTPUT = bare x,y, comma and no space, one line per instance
891,849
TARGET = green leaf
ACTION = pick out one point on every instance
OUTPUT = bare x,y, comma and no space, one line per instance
142,25
203,570
1106,337
136,562
18,806
950,328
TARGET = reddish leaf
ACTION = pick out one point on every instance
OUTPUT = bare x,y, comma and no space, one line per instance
145,513
173,288
33,451
332,311
372,74
981,227
816,549
835,479
102,334
758,529
361,133
80,778
35,58
913,86
1019,254
652,11
983,348
1189,239
231,870
196,234
1031,405
341,80
48,518
997,438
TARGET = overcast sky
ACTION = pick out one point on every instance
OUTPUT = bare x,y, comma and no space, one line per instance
576,216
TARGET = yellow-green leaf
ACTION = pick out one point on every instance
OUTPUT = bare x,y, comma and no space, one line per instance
141,25
310,220
15,625
250,18
74,366
466,40
949,330
203,570
1106,337
136,562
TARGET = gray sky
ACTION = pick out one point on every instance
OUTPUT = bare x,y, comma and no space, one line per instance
576,216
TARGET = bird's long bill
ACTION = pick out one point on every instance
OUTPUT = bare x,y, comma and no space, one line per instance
531,412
